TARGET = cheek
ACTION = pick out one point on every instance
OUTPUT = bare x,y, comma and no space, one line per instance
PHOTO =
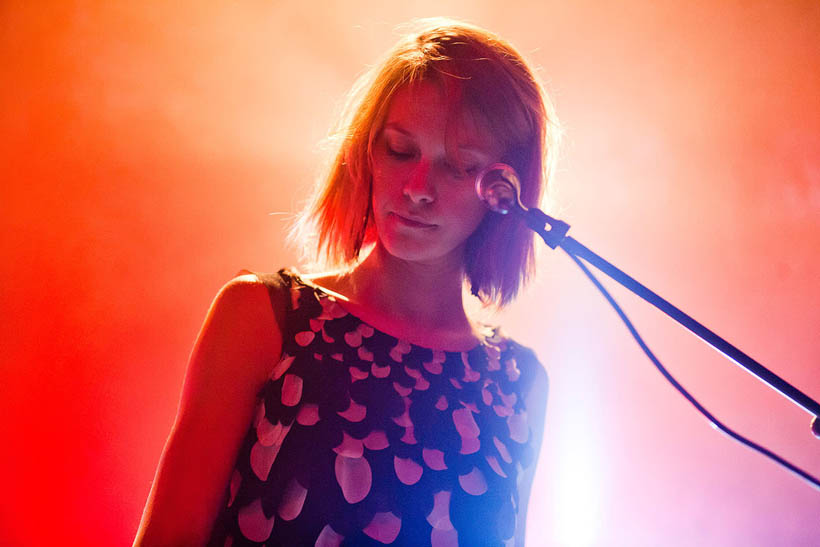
379,193
470,209
384,184
477,216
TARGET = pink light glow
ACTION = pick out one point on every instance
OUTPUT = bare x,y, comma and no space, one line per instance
144,147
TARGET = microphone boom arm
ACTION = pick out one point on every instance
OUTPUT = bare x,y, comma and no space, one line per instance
537,220
498,186
557,236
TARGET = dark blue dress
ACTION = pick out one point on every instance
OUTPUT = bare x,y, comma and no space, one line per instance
364,439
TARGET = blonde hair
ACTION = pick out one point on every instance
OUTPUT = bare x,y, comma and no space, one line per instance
479,71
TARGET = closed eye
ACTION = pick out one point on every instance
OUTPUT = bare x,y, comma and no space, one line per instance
399,154
462,172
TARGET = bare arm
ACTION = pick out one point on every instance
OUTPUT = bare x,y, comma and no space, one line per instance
536,403
238,344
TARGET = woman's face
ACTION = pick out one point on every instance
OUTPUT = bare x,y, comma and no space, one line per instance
425,160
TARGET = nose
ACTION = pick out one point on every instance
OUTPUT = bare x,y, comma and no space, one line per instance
419,185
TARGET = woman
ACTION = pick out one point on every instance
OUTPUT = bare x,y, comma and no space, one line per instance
379,412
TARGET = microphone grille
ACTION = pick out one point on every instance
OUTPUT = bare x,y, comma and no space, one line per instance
498,187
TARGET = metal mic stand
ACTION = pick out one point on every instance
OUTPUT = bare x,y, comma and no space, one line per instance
498,186
556,236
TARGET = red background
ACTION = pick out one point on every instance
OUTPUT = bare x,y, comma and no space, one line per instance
144,146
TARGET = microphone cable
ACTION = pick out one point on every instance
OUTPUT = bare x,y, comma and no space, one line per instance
499,187
717,424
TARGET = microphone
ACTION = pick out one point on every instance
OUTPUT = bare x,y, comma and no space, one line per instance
499,187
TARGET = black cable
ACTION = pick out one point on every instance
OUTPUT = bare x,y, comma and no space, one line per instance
714,421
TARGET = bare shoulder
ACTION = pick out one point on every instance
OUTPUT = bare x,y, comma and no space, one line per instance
244,311
238,344
243,291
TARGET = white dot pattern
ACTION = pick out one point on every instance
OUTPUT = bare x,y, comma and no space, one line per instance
363,439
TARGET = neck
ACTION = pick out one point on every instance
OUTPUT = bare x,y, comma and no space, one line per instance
415,301
431,293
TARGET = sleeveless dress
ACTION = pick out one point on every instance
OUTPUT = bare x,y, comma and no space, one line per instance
364,439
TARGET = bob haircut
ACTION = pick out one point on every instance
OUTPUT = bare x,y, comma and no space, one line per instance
480,72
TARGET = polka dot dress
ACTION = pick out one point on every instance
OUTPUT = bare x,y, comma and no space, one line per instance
363,439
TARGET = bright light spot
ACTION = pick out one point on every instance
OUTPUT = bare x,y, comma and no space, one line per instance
578,489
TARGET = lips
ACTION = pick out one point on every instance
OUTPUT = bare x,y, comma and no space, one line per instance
411,222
